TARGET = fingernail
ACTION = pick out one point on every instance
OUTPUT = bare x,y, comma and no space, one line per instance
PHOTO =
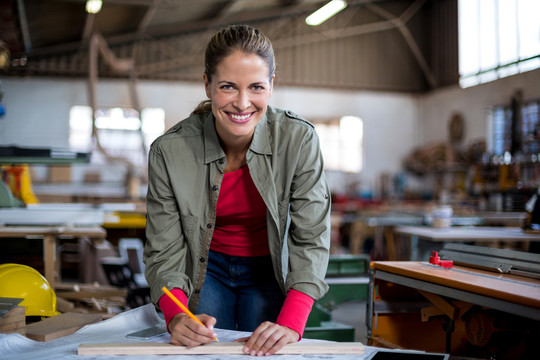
253,353
260,353
211,327
246,350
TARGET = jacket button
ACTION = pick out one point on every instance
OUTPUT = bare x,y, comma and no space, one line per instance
326,196
197,291
214,188
221,161
202,260
209,226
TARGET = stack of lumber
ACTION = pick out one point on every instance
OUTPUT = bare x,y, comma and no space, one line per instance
90,298
14,321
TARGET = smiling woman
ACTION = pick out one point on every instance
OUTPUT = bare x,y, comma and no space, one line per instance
231,189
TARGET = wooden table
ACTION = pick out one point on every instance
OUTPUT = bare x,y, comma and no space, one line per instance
50,236
446,288
434,237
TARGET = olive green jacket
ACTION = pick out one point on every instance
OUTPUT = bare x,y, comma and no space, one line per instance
185,169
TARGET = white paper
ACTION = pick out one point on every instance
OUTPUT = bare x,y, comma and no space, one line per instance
114,330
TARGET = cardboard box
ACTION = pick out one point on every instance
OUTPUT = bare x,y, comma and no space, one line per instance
60,174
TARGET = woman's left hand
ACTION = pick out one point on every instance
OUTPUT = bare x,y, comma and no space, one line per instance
268,338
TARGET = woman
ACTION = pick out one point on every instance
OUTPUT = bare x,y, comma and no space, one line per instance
238,206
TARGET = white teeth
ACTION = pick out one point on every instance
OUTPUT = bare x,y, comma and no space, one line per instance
239,117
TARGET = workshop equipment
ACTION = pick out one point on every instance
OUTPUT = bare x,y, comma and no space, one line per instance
18,179
486,306
503,261
6,197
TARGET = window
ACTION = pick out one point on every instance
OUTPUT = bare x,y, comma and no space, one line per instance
342,143
119,131
497,38
512,134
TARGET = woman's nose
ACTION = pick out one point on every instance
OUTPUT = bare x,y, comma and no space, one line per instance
242,100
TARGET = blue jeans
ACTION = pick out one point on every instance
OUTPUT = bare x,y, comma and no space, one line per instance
240,292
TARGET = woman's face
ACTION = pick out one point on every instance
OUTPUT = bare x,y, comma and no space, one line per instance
239,91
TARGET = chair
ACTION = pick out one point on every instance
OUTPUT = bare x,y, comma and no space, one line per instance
127,271
131,251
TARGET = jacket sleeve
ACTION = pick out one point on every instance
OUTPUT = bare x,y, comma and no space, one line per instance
309,230
165,251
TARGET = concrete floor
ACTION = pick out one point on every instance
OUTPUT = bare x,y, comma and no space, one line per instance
353,313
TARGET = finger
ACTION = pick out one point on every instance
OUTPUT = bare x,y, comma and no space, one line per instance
251,341
260,336
270,349
207,320
186,331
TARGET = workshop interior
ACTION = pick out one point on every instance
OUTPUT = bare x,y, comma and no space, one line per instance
428,117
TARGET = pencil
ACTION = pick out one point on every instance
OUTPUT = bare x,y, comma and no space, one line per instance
185,309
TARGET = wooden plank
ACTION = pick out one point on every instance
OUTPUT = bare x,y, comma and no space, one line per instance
215,348
60,325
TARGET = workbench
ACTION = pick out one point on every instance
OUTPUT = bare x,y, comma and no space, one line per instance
425,239
114,330
50,236
423,306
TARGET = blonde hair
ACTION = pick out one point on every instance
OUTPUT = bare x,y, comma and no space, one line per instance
235,37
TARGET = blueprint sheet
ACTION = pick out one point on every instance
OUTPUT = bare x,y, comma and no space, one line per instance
18,347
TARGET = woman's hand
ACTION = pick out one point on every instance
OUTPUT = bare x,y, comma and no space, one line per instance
186,331
268,338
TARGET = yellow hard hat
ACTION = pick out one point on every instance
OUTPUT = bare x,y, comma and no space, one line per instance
21,281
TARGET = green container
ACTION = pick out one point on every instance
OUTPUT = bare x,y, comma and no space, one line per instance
331,331
348,265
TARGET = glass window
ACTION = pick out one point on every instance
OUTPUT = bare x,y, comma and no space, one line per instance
497,38
528,128
342,143
120,130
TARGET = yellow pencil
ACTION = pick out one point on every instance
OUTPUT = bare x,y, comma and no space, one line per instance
185,309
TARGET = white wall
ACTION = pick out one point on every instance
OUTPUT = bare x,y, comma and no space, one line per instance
474,102
37,111
37,114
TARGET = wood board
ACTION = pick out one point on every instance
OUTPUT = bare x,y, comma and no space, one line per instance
14,321
216,348
60,325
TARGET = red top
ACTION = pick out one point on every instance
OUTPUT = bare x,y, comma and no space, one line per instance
240,217
241,231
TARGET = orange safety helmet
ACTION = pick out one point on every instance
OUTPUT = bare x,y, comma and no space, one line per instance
21,281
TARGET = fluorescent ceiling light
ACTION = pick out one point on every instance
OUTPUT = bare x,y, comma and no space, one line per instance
93,6
326,12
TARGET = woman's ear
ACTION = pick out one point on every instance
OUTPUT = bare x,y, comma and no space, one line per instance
272,82
206,86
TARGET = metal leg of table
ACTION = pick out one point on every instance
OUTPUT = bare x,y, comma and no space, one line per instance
414,248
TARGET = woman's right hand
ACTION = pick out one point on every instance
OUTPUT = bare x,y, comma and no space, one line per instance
186,331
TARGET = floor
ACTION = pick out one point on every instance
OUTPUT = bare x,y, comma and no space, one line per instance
353,313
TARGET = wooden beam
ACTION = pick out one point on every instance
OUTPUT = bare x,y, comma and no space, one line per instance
215,348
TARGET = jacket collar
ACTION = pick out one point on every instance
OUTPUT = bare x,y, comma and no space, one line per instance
212,148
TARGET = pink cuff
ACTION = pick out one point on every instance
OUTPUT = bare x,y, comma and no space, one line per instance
295,311
168,306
